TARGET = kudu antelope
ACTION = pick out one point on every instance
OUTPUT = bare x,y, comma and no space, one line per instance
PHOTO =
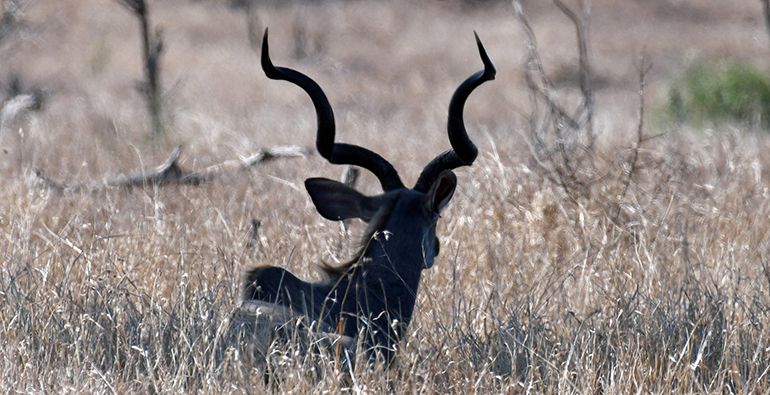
374,294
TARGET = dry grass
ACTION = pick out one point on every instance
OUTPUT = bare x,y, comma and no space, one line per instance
117,291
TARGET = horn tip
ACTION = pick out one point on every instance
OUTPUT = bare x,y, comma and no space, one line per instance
267,64
489,67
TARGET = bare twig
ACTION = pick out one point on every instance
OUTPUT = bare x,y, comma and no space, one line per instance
766,13
152,46
643,67
561,142
581,23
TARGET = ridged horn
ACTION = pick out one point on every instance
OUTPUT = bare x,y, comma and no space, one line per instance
463,151
335,153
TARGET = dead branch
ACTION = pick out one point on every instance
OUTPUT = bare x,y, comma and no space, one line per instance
152,46
255,234
273,153
581,27
49,184
561,142
168,173
643,68
171,173
766,13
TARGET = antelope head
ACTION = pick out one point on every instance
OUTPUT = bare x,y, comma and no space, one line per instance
374,294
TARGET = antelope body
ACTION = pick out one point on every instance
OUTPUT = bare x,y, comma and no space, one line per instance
374,294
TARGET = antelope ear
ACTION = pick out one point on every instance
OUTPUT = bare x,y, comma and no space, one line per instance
441,191
336,201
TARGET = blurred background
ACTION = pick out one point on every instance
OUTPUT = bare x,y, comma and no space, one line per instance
388,67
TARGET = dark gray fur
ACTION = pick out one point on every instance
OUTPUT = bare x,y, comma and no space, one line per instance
374,294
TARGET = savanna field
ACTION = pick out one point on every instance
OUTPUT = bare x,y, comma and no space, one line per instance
586,251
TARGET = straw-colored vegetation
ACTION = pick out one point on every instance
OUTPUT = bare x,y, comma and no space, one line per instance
648,274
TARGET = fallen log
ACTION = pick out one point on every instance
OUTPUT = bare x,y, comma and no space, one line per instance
170,172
